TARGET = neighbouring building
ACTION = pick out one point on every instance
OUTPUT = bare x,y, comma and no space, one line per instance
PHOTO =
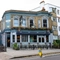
31,27
55,11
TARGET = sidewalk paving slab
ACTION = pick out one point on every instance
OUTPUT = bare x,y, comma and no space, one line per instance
24,53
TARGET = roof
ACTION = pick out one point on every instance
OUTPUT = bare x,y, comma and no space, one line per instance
26,12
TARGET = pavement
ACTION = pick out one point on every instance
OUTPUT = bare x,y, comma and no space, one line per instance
10,54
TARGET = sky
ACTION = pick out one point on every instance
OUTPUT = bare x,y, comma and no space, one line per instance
22,4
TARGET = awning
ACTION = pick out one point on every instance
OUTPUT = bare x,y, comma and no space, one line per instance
27,32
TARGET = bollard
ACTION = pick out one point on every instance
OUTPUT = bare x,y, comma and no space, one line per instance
40,52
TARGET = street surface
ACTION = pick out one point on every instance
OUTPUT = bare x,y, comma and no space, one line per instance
52,57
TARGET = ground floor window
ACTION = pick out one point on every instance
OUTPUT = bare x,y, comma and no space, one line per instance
13,38
47,38
33,38
18,38
39,39
24,38
42,39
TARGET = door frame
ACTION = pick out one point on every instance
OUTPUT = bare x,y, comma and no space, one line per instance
41,39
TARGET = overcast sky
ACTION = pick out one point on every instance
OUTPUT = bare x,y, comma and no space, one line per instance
22,4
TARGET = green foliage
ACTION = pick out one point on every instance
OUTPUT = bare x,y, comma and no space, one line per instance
15,46
56,43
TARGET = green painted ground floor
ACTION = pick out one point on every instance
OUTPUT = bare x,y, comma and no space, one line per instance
26,38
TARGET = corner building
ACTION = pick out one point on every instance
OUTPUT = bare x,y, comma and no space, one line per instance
26,27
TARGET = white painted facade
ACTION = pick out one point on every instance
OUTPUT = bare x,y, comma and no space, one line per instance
48,7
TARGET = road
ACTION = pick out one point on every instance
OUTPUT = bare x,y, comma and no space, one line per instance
52,57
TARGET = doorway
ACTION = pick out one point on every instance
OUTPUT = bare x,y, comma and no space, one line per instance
8,39
41,39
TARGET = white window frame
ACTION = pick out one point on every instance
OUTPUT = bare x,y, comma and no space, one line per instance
41,39
59,20
58,12
24,17
54,27
55,19
39,23
50,9
25,37
59,28
55,37
53,10
45,17
32,18
13,21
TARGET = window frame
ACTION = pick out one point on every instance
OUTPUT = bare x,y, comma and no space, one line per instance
39,24
46,18
54,10
58,12
24,24
13,38
18,39
55,19
17,21
25,37
54,27
44,23
58,19
32,18
59,28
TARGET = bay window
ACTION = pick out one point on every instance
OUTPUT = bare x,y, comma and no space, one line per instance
16,22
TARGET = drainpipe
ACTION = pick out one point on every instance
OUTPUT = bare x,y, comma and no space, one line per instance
5,41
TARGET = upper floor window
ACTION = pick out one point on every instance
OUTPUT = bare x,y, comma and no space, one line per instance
54,19
57,11
31,23
54,10
39,24
59,28
16,21
7,24
44,22
23,22
50,9
54,27
8,16
58,19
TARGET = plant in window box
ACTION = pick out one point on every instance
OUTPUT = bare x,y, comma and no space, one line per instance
15,46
